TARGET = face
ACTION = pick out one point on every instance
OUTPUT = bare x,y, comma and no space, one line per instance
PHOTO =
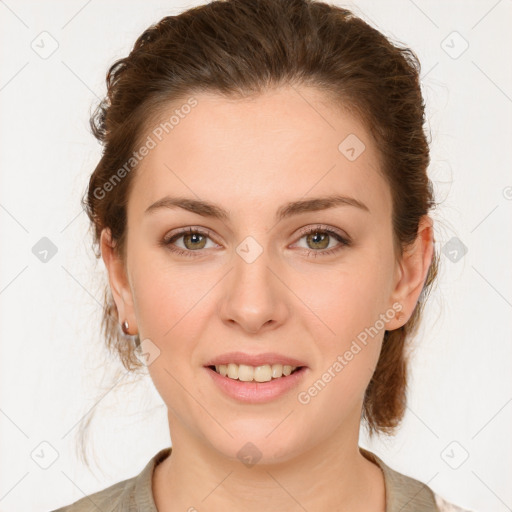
259,284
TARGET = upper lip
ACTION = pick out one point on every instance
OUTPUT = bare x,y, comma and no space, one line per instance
254,359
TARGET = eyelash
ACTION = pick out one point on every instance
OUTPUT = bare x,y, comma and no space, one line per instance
345,242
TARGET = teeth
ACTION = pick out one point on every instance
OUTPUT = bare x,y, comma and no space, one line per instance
263,373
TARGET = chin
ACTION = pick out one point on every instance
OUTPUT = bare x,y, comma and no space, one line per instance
260,442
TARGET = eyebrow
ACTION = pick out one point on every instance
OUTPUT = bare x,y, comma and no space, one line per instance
207,209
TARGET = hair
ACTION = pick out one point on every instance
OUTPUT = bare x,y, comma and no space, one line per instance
242,48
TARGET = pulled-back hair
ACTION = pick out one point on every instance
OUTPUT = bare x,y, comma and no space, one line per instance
242,48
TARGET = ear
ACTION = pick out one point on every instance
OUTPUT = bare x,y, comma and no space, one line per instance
118,281
411,272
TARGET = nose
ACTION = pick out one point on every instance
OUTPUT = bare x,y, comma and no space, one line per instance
254,297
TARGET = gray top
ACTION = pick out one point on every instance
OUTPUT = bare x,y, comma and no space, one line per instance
403,493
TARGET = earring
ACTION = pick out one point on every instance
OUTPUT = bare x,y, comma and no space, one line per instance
124,326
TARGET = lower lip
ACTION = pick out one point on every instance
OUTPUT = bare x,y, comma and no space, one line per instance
257,392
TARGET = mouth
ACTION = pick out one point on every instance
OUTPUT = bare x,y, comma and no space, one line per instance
256,385
248,373
255,378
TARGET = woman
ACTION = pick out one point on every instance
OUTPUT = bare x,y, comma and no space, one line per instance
261,207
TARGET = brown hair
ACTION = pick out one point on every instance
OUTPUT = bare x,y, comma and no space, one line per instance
238,48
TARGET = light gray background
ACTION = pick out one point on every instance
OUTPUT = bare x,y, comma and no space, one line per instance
51,352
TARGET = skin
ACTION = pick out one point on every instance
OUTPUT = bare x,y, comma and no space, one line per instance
259,154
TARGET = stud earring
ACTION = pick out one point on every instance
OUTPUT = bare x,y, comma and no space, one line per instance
124,326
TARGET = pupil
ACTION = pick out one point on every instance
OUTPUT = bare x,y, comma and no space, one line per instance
318,238
192,239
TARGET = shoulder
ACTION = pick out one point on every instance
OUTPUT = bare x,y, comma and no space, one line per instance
446,506
406,494
110,498
130,495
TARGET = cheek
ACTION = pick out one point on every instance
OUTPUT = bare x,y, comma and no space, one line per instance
347,351
166,298
347,301
171,314
170,306
349,305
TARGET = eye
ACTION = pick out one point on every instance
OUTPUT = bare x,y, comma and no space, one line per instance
320,237
194,239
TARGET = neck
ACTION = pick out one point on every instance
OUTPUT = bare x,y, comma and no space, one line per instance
333,475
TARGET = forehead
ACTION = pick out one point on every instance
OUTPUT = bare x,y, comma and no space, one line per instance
282,145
